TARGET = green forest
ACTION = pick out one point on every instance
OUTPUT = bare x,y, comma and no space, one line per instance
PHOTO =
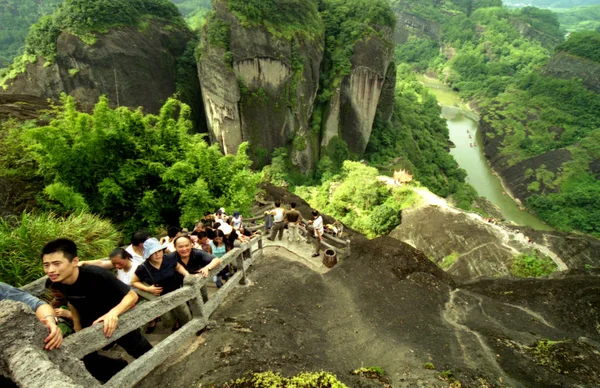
500,65
579,18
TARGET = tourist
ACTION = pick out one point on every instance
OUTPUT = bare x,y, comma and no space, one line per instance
43,311
95,296
293,219
204,243
119,259
158,276
194,237
278,223
318,231
219,249
136,249
195,261
237,220
172,234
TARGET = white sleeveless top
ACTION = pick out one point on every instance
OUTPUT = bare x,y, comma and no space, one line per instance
278,215
125,277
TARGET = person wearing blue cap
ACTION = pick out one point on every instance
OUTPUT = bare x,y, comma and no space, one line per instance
157,276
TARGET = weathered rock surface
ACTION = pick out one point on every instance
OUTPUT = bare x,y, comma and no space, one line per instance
388,305
133,68
353,105
409,25
514,176
26,362
264,93
566,66
468,247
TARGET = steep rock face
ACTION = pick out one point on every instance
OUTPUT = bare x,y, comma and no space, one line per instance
409,25
133,68
352,108
479,249
527,31
566,66
468,247
515,176
264,92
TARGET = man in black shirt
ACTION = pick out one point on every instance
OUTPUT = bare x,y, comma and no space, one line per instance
94,295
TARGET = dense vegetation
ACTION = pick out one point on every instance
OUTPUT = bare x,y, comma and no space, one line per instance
580,18
15,18
498,56
140,171
285,17
585,44
194,11
85,18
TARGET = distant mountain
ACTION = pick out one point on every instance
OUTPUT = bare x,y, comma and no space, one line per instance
580,18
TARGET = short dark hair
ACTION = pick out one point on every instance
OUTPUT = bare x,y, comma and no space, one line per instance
139,237
293,205
172,231
315,212
63,245
194,233
277,203
201,235
120,252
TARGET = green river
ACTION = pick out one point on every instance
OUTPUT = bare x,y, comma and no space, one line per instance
465,134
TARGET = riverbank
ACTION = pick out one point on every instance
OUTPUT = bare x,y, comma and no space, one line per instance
463,124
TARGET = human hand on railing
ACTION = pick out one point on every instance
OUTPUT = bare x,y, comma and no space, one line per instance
155,290
204,272
111,320
54,338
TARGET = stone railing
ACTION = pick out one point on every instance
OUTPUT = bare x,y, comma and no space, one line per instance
64,365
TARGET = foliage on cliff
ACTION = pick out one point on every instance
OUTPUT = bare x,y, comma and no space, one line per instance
16,16
347,22
285,17
134,169
355,196
85,18
585,44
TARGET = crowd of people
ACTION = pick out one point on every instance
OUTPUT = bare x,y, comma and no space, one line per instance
87,292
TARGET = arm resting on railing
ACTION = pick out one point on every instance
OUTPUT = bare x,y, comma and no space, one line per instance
137,283
111,318
212,265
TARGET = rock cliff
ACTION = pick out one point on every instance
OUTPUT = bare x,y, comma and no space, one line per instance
260,88
132,67
353,105
566,66
517,177
468,247
409,25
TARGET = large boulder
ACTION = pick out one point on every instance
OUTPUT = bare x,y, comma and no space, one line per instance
132,67
352,107
260,88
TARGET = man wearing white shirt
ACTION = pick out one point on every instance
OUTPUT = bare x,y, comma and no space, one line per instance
136,249
318,227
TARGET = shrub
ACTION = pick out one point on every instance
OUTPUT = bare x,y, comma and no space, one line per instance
21,240
524,266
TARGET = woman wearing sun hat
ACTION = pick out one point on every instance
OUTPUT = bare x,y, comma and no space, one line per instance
157,275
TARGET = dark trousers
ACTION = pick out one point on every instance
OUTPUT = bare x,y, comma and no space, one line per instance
277,229
103,368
